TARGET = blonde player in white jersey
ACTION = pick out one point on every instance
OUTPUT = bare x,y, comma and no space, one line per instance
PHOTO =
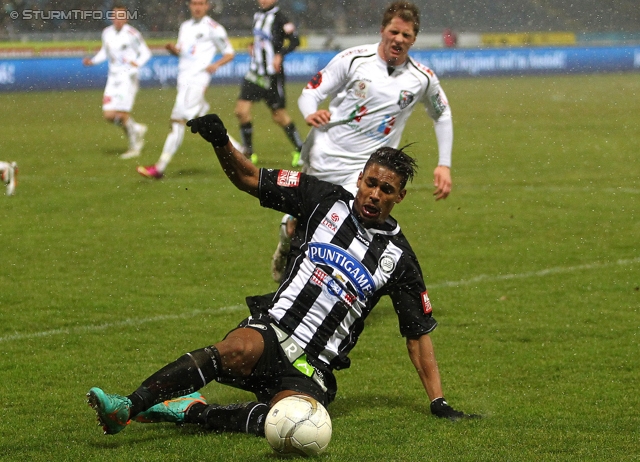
374,89
199,40
126,51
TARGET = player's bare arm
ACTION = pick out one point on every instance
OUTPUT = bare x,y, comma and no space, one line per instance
171,48
424,359
226,58
242,173
318,118
277,62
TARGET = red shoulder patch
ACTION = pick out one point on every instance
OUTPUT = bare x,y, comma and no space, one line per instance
288,179
426,303
315,81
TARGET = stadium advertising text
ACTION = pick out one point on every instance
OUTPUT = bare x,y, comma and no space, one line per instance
20,73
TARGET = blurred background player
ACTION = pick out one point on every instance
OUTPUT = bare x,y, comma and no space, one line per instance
199,40
374,89
274,36
449,38
9,175
127,52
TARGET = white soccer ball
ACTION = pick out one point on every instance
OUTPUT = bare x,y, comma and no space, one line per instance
298,425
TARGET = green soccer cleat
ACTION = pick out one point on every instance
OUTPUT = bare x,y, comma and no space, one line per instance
296,161
112,410
172,410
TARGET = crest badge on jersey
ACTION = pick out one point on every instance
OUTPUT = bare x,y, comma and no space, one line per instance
361,89
315,81
387,264
426,303
405,99
439,103
288,179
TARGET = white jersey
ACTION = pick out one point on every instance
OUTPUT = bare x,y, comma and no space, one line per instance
198,42
125,49
369,109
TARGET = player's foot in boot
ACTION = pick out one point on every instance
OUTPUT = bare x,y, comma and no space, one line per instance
296,161
150,172
112,410
172,410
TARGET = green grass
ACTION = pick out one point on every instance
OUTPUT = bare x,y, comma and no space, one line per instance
533,265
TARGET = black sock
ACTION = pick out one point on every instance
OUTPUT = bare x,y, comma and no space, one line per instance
244,418
294,136
246,132
185,375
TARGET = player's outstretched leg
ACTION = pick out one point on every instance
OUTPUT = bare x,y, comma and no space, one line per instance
112,410
172,410
241,417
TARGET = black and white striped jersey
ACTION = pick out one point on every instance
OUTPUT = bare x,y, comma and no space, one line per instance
338,269
272,33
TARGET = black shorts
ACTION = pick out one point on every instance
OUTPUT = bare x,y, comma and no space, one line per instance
274,95
274,372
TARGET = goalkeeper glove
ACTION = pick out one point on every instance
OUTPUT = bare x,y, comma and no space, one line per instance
211,129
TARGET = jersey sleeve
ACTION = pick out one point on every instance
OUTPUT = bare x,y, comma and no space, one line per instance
101,56
182,32
326,83
292,192
437,106
285,38
434,99
221,40
410,298
144,53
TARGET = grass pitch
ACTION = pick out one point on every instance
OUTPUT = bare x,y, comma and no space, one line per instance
533,266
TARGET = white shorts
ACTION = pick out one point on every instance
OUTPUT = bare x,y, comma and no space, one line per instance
190,100
348,180
120,92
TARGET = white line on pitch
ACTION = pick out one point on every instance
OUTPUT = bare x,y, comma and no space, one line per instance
126,322
191,314
544,272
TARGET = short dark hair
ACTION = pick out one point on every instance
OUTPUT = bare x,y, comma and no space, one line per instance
404,10
394,159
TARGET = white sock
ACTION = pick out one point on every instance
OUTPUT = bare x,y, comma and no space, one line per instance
130,129
171,145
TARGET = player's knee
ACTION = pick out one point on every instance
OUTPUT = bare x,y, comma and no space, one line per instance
291,226
242,116
240,351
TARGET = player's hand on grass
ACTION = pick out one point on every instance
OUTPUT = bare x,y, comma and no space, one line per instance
440,408
211,129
